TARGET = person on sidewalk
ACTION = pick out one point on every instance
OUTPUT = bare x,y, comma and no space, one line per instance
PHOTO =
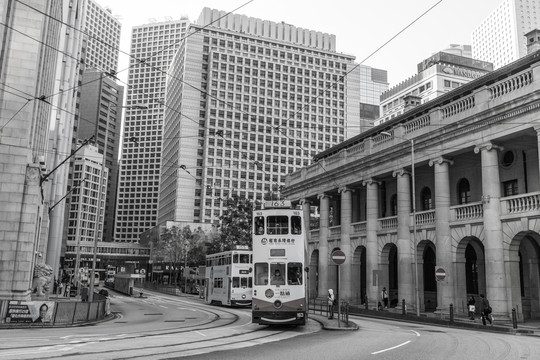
384,296
485,310
472,308
331,299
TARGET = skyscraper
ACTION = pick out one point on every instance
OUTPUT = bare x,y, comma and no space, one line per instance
249,101
152,48
500,39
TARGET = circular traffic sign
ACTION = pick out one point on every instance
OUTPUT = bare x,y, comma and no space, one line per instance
440,274
338,257
142,271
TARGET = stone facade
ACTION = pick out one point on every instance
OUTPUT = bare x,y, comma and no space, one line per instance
451,185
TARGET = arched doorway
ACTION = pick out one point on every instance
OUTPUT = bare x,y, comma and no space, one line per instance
359,275
525,275
429,280
470,272
389,267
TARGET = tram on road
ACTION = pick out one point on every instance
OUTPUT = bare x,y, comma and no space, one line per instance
229,278
279,282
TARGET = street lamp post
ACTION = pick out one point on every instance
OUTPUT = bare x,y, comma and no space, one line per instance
413,180
101,181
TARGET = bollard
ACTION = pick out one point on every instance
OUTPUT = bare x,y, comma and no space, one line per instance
514,318
451,313
366,303
403,307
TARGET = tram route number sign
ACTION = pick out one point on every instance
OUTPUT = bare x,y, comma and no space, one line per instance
440,274
338,257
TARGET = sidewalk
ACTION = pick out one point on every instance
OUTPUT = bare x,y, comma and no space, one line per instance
531,327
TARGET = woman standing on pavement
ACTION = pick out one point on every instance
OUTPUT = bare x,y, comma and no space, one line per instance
472,307
330,304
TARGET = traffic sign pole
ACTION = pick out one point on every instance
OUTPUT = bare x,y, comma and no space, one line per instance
338,257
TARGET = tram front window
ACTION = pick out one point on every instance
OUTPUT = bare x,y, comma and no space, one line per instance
278,274
294,273
261,274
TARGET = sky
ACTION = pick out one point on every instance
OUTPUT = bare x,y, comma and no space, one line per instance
392,35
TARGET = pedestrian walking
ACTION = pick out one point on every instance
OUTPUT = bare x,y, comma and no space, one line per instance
472,308
331,300
61,289
485,310
384,296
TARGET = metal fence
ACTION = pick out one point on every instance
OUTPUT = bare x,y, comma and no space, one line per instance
66,312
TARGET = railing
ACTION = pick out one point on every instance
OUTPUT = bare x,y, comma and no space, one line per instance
388,223
359,227
66,312
458,106
467,211
425,217
521,203
506,86
319,306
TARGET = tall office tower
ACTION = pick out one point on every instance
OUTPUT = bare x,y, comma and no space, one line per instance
85,215
101,103
103,40
500,38
249,101
28,65
152,48
98,41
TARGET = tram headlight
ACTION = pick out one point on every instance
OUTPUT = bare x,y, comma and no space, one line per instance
243,296
278,304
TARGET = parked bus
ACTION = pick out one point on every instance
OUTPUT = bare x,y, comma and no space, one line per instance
279,242
229,278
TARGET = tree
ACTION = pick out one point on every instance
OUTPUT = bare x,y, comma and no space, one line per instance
172,246
235,225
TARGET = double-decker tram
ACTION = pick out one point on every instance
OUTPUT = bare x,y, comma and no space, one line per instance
279,292
229,278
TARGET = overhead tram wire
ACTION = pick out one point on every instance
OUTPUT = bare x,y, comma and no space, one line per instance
277,128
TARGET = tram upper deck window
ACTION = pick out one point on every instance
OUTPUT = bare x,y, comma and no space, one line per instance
277,225
259,225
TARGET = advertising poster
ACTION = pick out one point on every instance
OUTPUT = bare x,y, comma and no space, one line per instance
29,311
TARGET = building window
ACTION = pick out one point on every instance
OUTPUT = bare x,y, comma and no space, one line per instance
427,202
510,187
464,191
393,205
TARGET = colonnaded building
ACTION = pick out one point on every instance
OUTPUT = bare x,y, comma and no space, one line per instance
469,160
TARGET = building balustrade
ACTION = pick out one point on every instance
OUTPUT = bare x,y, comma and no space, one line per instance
510,206
388,223
467,211
511,84
425,217
520,203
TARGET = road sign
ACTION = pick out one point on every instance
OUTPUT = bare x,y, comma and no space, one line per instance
338,257
440,274
142,271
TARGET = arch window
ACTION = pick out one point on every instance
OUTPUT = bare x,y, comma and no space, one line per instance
464,191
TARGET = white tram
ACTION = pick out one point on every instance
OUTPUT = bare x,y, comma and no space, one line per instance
229,278
279,290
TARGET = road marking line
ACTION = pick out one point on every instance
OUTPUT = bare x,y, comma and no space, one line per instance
392,348
200,333
416,332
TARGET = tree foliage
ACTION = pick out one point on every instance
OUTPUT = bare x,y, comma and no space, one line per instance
235,226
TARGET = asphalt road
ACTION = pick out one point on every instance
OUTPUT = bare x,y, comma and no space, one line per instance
169,327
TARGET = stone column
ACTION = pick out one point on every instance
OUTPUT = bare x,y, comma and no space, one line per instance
405,240
445,289
493,237
310,275
373,276
323,245
345,246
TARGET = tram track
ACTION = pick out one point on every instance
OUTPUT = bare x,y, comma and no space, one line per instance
223,328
